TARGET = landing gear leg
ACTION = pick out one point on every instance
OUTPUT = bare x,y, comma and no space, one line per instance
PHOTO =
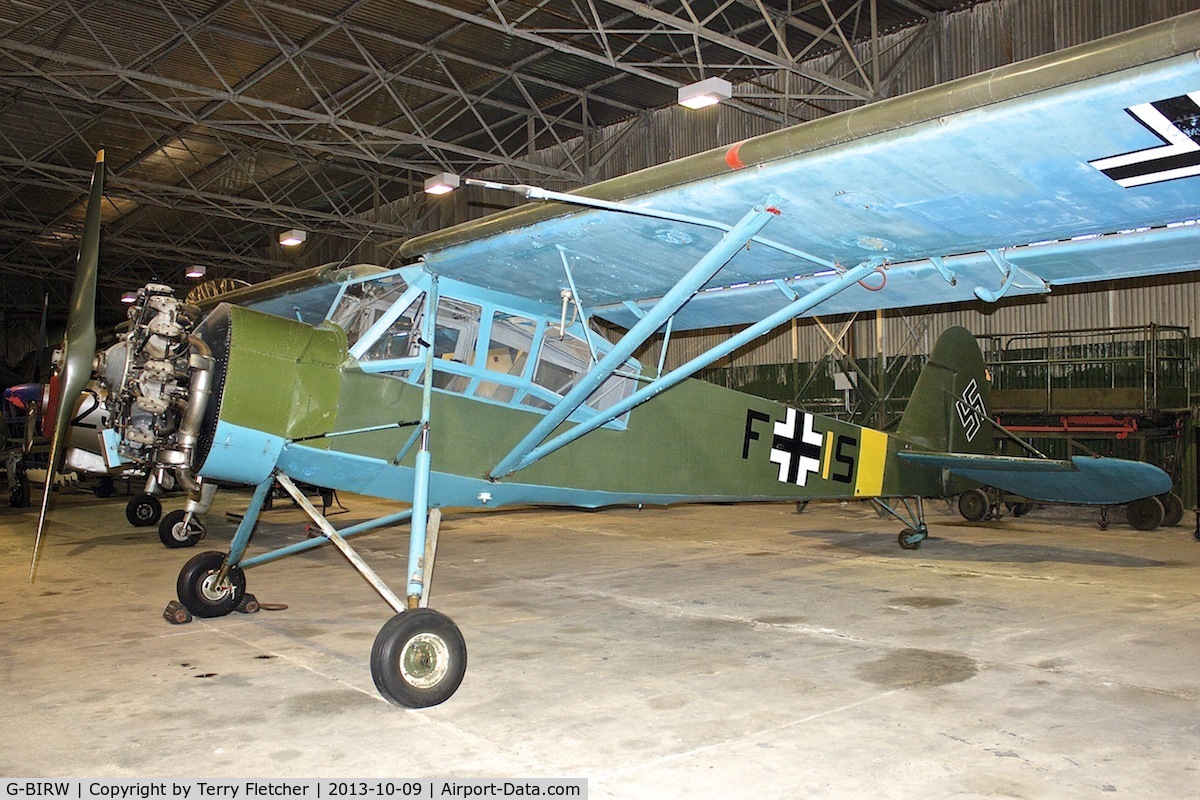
912,513
420,657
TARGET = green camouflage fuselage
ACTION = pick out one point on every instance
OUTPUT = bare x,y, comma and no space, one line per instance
295,384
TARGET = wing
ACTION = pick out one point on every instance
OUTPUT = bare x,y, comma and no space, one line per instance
1088,481
1068,168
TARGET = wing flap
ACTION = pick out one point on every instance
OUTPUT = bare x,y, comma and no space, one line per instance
1081,480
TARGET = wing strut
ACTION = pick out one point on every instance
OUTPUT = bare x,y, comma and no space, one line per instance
703,271
661,384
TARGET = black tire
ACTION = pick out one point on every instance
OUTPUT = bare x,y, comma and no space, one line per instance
198,591
1145,514
105,488
974,505
906,539
419,658
143,511
173,533
1172,509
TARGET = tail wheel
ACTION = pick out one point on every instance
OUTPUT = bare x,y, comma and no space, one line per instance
911,538
419,658
1145,514
202,592
175,532
973,504
143,511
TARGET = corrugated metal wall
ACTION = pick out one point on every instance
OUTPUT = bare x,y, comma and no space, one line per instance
1163,301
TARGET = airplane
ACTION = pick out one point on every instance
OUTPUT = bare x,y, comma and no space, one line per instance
472,376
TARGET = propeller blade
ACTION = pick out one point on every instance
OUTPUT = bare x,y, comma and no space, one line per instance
79,343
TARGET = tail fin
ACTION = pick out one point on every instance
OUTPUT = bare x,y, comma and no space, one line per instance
949,408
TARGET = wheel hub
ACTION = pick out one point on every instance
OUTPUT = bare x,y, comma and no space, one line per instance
425,660
213,590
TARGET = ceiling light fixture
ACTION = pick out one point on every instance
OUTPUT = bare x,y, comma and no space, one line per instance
707,92
442,183
293,237
195,272
129,297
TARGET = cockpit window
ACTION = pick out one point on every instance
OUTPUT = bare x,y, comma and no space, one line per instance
364,302
400,339
512,339
508,354
454,341
560,365
479,350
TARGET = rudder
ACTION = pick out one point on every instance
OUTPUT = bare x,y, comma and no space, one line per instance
949,408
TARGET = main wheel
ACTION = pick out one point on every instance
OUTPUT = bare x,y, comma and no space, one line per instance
1172,509
172,531
419,658
143,511
1145,514
105,488
911,538
973,504
199,589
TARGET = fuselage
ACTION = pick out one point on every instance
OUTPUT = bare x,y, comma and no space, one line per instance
334,404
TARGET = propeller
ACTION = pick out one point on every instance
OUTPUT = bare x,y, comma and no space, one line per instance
79,343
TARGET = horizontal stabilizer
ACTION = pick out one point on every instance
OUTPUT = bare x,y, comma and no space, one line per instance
1082,480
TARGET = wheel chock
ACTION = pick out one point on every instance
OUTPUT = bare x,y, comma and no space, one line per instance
176,613
248,604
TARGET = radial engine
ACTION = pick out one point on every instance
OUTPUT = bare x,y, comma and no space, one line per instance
159,379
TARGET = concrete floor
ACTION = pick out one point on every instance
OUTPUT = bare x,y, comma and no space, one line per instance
691,652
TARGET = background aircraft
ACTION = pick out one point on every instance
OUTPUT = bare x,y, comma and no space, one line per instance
457,381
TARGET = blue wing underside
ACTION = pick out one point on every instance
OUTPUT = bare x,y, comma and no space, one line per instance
1004,197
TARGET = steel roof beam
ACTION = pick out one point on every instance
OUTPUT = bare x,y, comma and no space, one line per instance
287,116
193,200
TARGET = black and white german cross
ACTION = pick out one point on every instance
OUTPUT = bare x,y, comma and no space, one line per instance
1176,121
797,452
